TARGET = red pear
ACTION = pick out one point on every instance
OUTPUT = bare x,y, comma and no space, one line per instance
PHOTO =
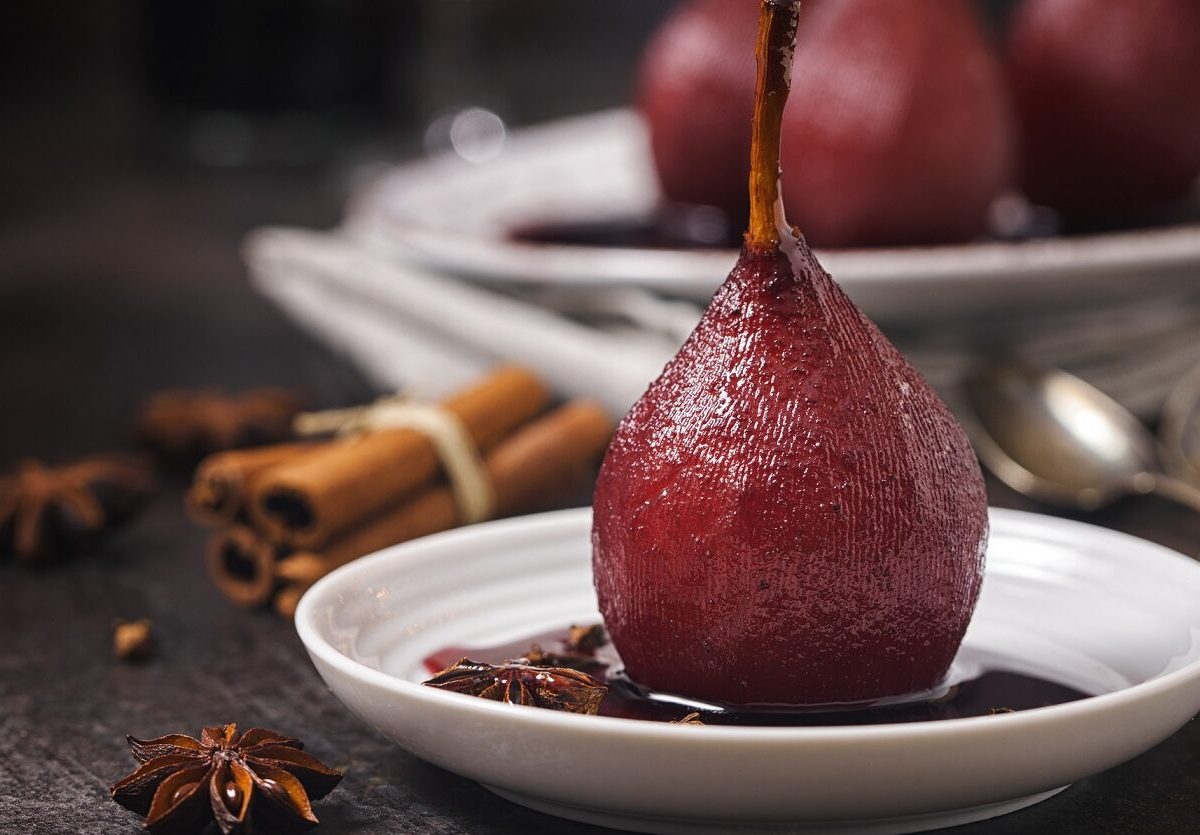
789,515
901,133
697,94
1108,101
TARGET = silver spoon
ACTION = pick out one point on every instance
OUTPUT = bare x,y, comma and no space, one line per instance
1054,437
1179,428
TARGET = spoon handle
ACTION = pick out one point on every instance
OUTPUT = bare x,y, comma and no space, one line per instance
1177,491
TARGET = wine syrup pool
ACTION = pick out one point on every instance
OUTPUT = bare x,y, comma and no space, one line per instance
994,688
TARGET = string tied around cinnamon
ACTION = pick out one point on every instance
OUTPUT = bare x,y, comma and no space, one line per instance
456,449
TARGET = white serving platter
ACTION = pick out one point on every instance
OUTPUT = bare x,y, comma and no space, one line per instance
458,216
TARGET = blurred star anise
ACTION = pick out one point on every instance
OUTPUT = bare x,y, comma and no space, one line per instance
48,511
258,781
517,683
182,425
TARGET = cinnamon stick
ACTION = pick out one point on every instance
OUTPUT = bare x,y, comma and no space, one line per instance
308,502
242,564
302,568
527,471
222,484
287,599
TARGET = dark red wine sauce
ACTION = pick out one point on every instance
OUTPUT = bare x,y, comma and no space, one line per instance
994,691
682,226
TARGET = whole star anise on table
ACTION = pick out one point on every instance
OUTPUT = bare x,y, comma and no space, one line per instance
48,511
518,683
258,781
183,425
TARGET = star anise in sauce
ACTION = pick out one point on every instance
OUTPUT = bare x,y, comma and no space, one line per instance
182,425
587,639
538,657
49,511
515,682
578,652
258,781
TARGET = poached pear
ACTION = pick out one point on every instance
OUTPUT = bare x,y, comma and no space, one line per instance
789,515
1106,94
696,92
902,131
901,134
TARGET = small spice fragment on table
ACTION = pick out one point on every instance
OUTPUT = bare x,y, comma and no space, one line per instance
133,640
258,781
692,718
513,682
182,425
48,512
996,711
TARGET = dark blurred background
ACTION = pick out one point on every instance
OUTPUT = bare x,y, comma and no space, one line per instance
287,82
139,141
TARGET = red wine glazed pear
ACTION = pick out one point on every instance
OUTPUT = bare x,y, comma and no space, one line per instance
789,515
696,90
901,133
1107,93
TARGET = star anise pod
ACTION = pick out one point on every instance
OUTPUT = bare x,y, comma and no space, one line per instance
47,511
578,653
538,657
514,682
587,639
258,781
181,425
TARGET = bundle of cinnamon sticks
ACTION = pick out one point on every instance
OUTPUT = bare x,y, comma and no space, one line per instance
287,515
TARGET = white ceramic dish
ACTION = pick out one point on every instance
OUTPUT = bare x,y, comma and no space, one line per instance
458,216
1095,609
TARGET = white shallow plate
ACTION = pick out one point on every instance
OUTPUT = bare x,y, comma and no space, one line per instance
1088,607
458,216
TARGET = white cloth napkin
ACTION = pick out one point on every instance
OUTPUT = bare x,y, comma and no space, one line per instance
411,328
418,331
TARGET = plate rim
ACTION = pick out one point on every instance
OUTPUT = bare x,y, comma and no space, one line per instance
370,213
531,717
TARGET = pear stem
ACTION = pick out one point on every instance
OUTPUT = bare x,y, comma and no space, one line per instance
776,46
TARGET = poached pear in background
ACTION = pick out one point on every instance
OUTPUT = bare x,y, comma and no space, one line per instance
899,134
